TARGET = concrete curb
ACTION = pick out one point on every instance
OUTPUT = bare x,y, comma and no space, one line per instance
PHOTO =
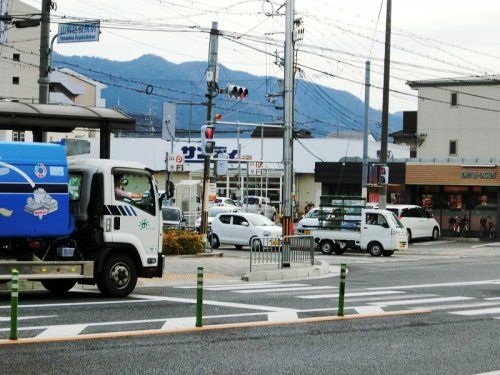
321,269
198,255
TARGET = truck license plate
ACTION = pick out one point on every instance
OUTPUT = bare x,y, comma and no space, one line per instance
307,231
402,245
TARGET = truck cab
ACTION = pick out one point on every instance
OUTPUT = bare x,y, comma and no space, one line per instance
118,216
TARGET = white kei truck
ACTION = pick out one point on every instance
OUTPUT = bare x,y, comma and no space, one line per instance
87,221
380,233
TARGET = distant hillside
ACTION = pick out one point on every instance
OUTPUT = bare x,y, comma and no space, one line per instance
318,108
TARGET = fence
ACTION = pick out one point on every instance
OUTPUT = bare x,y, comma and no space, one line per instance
281,251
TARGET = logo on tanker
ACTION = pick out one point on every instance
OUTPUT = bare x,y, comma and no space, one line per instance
40,204
40,170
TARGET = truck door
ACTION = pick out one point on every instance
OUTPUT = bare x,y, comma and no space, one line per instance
376,228
135,211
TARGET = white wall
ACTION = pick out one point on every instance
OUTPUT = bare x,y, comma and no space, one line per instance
477,131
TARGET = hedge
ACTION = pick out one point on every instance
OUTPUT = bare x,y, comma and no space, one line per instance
181,242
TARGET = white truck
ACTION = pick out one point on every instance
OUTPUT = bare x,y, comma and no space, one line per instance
87,221
380,233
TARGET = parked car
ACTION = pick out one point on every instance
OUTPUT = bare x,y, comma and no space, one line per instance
259,205
418,222
222,201
311,220
239,229
213,212
172,217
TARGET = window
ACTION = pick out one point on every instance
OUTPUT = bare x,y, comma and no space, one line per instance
411,212
16,57
225,219
171,214
453,148
376,219
75,187
454,99
136,189
15,80
239,220
18,136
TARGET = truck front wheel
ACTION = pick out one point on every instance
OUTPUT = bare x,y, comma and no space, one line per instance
118,276
375,249
60,286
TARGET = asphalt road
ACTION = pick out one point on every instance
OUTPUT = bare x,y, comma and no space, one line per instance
458,283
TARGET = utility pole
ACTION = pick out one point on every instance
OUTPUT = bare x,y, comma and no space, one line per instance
211,90
385,102
288,119
43,75
364,175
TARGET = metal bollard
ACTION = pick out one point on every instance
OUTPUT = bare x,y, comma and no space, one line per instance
199,297
340,311
14,299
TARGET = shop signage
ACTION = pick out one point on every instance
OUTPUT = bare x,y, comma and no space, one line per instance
479,175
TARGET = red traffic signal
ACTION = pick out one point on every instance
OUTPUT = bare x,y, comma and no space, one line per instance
237,92
207,139
209,132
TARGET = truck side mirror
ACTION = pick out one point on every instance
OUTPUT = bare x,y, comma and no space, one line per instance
96,200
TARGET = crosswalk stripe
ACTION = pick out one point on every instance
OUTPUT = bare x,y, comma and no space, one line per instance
360,294
461,306
495,310
69,330
368,310
418,286
249,287
238,285
284,289
179,323
418,301
282,316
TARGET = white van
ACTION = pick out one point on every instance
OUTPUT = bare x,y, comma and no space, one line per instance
418,222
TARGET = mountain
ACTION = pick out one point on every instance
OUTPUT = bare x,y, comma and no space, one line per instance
146,82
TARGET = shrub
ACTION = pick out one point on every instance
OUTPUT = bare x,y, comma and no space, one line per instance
181,242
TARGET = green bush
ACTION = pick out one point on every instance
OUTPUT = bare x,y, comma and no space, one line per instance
181,242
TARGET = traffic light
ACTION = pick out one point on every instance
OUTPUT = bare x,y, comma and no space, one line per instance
207,139
384,175
237,92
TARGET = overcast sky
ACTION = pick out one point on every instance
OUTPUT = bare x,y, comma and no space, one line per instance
431,38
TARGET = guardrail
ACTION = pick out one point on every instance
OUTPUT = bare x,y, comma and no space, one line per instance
281,251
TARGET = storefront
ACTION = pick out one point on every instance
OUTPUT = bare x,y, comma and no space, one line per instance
455,190
345,179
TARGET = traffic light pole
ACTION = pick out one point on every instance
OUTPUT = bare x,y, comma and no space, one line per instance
385,102
211,89
288,120
43,73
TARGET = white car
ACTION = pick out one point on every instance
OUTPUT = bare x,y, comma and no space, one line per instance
259,205
311,220
213,212
418,222
239,229
223,202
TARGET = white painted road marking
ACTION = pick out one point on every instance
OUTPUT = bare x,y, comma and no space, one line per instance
486,244
429,243
418,286
462,306
64,330
495,310
417,301
293,289
216,303
237,286
282,316
368,310
179,323
250,287
360,294
7,319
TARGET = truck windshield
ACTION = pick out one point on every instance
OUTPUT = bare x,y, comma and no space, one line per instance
251,200
170,214
393,218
